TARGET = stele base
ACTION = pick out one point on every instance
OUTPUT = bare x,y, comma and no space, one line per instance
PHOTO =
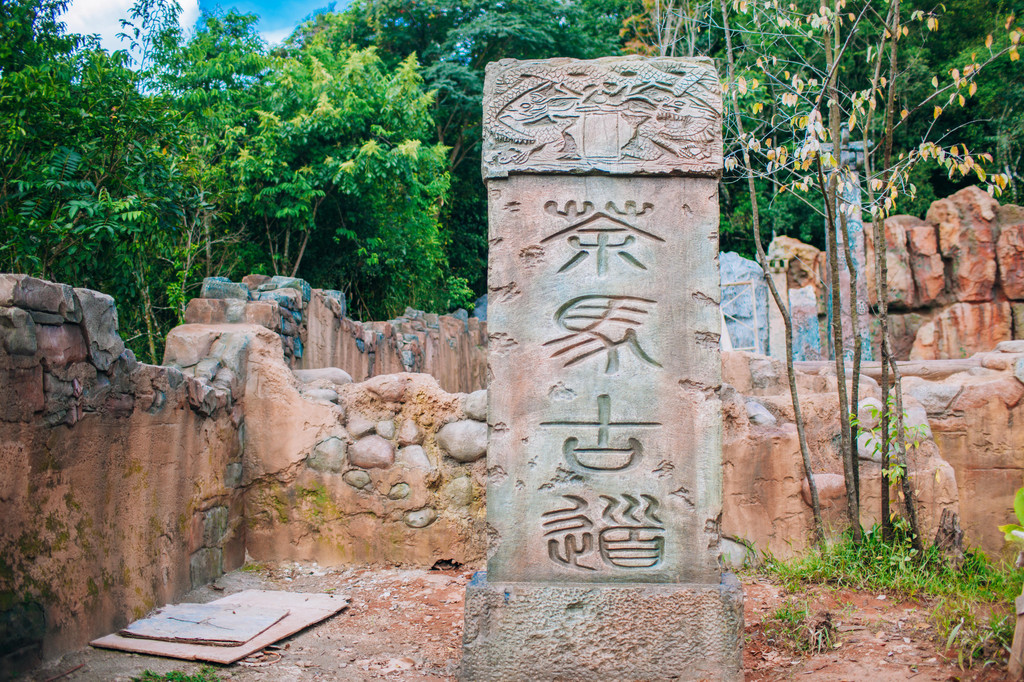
639,631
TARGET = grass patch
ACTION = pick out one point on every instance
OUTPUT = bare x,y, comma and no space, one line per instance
972,602
205,674
791,627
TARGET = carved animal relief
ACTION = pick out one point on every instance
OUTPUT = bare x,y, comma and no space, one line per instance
635,116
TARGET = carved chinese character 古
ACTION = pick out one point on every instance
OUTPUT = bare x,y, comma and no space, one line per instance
602,456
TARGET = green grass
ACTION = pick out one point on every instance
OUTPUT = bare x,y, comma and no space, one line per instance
972,603
205,674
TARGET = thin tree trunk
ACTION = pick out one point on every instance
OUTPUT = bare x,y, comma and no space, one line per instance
831,205
762,259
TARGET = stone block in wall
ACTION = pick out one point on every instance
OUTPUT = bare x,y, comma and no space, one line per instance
17,332
328,455
290,299
186,345
463,441
963,329
903,328
99,324
60,345
278,282
222,287
967,239
22,291
1010,255
255,281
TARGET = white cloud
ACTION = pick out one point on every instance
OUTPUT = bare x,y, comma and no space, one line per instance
277,36
103,17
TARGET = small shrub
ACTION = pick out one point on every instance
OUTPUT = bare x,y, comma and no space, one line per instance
791,627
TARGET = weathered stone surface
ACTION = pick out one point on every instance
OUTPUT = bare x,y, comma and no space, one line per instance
831,489
967,238
385,428
925,262
22,389
474,405
934,397
607,121
17,331
399,491
744,302
682,632
206,565
61,345
321,394
759,414
459,491
420,518
328,455
31,293
1010,255
1015,346
390,388
357,478
414,457
410,433
222,287
359,426
99,323
963,329
255,281
372,452
215,525
464,441
332,374
280,282
188,344
899,277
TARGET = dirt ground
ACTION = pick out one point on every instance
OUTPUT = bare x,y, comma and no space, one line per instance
407,625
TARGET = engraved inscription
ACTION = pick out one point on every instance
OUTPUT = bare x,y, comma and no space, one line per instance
600,233
629,115
601,324
628,534
602,456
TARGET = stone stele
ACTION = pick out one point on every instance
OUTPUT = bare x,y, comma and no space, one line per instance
604,491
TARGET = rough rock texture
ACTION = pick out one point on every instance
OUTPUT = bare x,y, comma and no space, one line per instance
1010,252
900,277
464,441
968,240
925,262
963,329
686,632
805,264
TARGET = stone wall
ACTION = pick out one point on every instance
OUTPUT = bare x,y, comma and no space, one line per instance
315,331
123,485
116,478
955,278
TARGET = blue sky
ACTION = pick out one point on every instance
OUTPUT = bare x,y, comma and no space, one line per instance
277,19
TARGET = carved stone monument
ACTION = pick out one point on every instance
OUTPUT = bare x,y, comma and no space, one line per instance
604,457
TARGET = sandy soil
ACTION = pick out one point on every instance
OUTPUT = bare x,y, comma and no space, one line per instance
407,625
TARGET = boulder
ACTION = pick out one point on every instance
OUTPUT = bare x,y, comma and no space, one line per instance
399,491
358,425
279,282
459,491
420,518
759,414
321,394
99,324
968,240
474,405
32,293
357,478
388,387
410,433
925,262
333,374
255,281
961,330
222,287
17,332
1010,256
264,313
414,457
463,441
328,455
372,452
186,345
385,428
